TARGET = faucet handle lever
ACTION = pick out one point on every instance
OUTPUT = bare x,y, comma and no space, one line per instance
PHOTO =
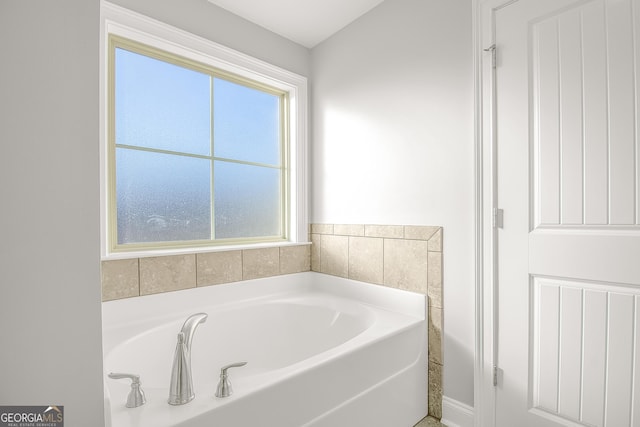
133,377
224,386
223,370
136,395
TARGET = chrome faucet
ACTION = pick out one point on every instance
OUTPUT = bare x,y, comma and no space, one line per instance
181,386
224,386
136,396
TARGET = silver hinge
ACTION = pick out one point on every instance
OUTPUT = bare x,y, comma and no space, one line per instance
495,376
492,49
498,218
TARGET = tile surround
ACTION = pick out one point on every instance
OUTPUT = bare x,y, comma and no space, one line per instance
144,276
430,422
167,273
434,278
120,279
365,259
295,259
435,390
404,257
335,255
406,264
349,229
435,335
258,263
213,268
389,231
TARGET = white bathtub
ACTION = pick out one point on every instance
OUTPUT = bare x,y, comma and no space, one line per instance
321,351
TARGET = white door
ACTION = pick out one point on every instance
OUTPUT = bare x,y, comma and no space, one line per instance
568,180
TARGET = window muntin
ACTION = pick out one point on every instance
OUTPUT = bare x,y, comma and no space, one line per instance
247,123
198,155
161,105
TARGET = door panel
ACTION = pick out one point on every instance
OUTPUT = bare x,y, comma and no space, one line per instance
567,179
584,350
583,90
594,112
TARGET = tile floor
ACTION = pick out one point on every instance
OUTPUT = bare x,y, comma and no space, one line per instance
430,422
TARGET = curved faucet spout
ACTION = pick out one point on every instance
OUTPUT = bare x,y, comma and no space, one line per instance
189,327
181,386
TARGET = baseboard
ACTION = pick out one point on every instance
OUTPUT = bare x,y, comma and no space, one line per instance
455,413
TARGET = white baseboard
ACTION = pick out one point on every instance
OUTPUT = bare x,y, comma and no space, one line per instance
455,413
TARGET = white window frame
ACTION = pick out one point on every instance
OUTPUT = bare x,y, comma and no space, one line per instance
134,26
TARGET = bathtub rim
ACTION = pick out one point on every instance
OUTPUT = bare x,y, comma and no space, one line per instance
127,311
406,303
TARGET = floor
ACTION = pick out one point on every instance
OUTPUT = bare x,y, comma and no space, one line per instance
430,422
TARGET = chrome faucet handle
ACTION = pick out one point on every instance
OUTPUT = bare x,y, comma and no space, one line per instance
224,386
136,395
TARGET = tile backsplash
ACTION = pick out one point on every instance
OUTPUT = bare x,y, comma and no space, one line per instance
144,276
399,256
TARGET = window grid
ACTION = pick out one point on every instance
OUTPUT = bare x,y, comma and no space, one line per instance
117,42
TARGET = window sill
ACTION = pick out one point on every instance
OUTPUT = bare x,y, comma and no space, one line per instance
198,250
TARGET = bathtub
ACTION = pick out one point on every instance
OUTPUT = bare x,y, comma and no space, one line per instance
322,351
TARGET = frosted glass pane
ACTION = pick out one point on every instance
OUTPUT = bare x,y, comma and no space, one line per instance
161,105
246,201
162,197
246,123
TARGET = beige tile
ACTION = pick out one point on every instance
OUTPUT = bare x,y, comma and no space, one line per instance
435,335
435,390
365,259
419,232
167,273
388,231
429,422
218,267
315,251
257,263
435,279
435,242
348,229
120,279
295,259
322,228
334,255
405,264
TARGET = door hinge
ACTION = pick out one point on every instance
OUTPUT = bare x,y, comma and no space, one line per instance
492,49
498,218
495,376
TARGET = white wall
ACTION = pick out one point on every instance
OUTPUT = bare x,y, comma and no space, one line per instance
50,324
392,143
214,23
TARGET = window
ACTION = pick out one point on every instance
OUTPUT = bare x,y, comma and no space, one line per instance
196,154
